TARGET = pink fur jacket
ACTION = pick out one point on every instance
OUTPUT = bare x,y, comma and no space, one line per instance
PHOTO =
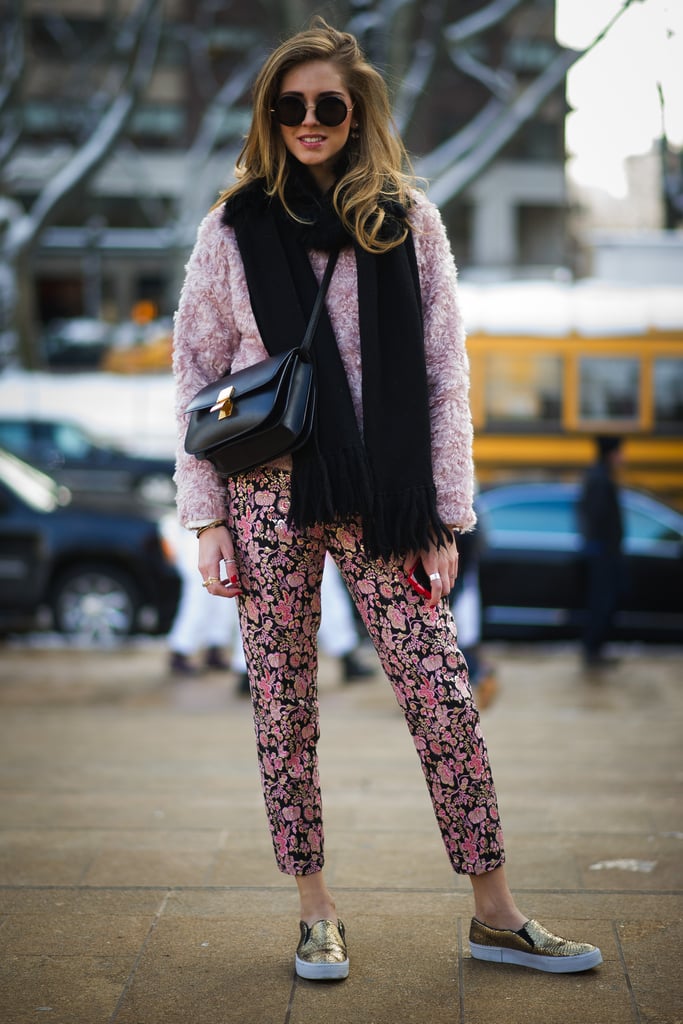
215,333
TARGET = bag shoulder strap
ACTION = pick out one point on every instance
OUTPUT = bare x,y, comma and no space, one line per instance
305,346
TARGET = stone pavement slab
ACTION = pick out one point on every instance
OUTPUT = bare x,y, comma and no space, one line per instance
137,883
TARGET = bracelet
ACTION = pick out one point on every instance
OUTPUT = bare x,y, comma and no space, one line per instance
210,526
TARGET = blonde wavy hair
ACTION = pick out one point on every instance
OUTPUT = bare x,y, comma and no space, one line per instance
377,165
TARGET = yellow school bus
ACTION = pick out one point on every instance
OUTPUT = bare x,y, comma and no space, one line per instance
538,398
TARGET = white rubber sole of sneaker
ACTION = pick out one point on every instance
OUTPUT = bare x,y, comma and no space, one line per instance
322,972
551,964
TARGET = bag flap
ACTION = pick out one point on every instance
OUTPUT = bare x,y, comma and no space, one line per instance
250,379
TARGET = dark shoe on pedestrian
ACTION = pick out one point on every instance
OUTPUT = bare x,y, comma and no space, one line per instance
214,659
598,661
321,954
532,946
353,668
180,665
242,689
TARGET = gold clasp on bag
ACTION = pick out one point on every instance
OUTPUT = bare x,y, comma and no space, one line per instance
224,404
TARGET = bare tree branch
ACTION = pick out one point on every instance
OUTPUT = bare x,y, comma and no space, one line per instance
415,79
21,230
14,61
452,181
87,160
193,198
211,124
376,28
465,29
498,81
381,17
62,33
14,58
441,158
601,35
9,140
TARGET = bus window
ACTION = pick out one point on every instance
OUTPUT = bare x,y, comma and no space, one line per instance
523,391
608,388
668,396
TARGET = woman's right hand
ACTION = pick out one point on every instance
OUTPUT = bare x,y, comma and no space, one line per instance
215,545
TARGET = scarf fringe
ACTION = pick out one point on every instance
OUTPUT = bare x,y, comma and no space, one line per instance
323,492
393,524
404,521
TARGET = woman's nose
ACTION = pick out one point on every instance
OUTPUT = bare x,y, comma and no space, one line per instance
310,117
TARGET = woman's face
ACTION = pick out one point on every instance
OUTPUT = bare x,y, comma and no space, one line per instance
316,145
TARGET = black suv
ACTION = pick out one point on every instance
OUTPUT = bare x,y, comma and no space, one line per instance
93,574
67,452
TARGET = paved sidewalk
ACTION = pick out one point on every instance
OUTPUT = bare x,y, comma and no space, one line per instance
137,883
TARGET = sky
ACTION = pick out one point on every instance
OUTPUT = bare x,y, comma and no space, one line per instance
613,90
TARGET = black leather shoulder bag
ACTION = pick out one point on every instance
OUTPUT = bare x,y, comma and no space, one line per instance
262,412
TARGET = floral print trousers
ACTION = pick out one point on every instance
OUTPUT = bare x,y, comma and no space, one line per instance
281,570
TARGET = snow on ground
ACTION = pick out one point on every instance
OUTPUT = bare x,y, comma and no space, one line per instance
589,307
133,412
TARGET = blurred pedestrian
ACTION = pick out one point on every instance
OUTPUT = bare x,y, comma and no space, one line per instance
601,528
467,612
384,482
201,628
338,633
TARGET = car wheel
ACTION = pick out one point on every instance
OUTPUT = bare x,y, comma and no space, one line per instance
96,603
158,489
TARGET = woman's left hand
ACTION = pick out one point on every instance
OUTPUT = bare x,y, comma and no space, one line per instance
441,563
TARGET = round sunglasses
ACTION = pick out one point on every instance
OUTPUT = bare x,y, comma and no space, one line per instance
330,111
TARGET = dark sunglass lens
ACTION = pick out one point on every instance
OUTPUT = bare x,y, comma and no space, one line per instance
331,111
290,111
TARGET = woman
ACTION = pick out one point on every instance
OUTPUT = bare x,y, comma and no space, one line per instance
383,484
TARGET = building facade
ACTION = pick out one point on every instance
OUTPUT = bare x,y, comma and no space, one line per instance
122,238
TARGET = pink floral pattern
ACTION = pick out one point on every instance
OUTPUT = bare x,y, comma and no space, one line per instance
280,571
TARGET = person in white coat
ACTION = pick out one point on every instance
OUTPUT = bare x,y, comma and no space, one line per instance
201,626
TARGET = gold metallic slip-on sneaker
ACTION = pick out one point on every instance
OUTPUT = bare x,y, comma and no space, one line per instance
321,954
532,946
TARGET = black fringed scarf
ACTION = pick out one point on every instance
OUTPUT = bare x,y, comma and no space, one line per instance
386,476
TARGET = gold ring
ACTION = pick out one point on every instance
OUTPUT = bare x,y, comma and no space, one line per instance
209,580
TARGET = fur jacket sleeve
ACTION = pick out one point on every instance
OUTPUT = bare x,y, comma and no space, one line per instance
215,333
